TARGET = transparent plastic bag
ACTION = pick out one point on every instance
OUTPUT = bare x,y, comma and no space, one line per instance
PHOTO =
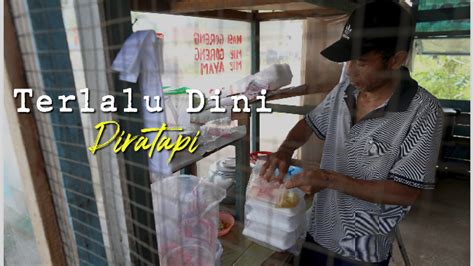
219,128
284,228
272,192
186,210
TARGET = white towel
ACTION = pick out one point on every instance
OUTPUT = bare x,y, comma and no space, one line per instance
141,56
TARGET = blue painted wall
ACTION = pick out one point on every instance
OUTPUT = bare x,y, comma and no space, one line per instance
56,72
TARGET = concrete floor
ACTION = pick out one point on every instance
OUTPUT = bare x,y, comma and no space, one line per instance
436,230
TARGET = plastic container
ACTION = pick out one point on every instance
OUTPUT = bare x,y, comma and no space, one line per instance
275,238
265,222
186,210
285,219
259,155
229,220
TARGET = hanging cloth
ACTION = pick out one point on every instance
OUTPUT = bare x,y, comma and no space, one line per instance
142,57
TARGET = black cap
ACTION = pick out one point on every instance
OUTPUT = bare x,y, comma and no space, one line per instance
380,25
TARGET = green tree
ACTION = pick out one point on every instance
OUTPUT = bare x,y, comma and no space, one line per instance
445,76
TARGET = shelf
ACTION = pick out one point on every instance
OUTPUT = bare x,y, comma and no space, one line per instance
185,159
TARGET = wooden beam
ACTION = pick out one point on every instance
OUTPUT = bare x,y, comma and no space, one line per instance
299,14
29,134
341,5
321,74
443,14
443,34
187,6
103,166
149,6
228,14
198,5
287,93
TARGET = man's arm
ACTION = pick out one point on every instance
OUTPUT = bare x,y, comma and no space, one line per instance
377,191
298,136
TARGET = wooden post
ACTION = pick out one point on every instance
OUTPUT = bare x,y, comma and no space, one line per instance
45,223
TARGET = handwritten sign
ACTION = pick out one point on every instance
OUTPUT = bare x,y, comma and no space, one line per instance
209,51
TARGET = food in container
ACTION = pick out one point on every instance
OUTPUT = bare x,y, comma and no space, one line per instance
226,222
275,216
288,199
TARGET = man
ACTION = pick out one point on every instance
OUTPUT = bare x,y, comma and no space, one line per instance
382,136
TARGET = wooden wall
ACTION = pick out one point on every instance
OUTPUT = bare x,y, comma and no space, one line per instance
320,74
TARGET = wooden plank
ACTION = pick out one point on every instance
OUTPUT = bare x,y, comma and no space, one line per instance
254,255
227,14
321,75
462,105
279,259
238,250
45,223
234,244
463,119
186,6
343,5
149,6
298,14
442,34
292,6
105,173
184,159
287,92
449,13
77,66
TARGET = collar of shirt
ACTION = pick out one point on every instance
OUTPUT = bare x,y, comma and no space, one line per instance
398,102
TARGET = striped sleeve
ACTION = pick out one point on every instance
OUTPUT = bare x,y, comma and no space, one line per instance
418,154
318,118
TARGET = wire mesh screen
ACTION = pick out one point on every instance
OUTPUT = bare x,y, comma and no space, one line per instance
45,52
104,200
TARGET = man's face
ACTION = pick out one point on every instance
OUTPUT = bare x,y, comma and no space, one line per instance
369,72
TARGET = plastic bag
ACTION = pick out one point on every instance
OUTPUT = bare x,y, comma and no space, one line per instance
219,128
266,221
186,210
272,191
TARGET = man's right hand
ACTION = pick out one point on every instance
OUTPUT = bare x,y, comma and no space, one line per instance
279,160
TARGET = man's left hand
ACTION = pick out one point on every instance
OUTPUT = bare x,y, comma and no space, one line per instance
310,181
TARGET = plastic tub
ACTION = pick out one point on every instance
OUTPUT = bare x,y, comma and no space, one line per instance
229,220
265,207
287,224
273,237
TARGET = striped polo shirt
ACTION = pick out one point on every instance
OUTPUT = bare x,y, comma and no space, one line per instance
398,141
